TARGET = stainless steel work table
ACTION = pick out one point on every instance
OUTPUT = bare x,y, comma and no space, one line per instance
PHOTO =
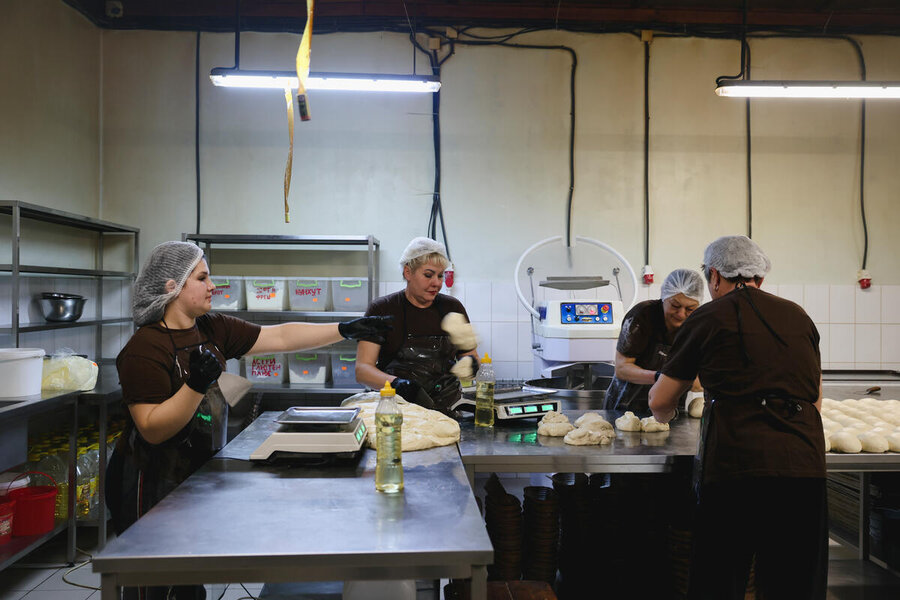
234,521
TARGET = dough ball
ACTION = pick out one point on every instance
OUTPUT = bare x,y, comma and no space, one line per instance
695,409
585,437
884,430
596,418
628,422
462,334
554,417
599,425
651,425
554,429
464,368
872,442
845,442
827,443
894,442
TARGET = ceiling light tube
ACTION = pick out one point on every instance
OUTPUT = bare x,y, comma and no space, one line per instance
363,82
809,89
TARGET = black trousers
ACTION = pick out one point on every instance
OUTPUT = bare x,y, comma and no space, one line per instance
783,522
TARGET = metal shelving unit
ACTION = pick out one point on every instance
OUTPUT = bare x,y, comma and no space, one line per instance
22,210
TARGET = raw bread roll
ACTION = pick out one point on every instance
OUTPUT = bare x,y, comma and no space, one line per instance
872,442
593,418
585,437
422,428
894,442
554,429
462,334
827,442
651,425
554,417
695,409
845,442
628,422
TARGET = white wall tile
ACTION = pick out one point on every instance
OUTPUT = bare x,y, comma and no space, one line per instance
840,345
791,292
526,370
458,291
478,300
483,330
653,292
503,302
643,292
841,300
864,366
891,367
824,340
890,304
504,338
524,342
772,289
890,343
522,315
504,369
868,305
842,365
393,286
867,343
815,302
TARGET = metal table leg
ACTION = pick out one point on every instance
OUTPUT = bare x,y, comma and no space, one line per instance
479,582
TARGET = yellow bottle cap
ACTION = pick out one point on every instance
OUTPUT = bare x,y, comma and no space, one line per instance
387,390
486,358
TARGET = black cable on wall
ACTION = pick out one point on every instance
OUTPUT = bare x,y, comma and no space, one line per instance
646,152
197,128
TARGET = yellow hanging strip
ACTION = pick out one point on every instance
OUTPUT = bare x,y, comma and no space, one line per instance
302,103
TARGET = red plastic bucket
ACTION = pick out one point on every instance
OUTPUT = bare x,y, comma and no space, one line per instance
7,508
34,507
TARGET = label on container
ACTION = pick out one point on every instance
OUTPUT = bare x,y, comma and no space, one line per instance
265,366
308,291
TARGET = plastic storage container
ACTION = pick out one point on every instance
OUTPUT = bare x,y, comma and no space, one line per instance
350,294
343,368
20,371
229,293
309,293
308,367
265,293
266,368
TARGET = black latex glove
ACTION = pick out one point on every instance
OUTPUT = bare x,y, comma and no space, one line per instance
205,369
372,328
412,392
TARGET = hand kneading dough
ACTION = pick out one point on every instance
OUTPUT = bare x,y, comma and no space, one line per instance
628,422
585,437
464,368
695,409
650,425
554,429
554,417
461,333
872,442
594,418
845,442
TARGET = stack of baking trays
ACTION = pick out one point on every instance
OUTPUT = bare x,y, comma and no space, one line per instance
578,544
503,518
541,547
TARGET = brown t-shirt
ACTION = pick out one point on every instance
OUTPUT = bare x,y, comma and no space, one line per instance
409,319
740,363
148,370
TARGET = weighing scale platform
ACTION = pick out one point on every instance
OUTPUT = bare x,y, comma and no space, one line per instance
514,401
313,433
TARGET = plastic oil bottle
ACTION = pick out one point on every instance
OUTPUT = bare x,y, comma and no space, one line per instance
388,423
484,393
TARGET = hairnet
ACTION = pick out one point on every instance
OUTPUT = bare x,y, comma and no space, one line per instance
421,246
683,281
736,256
169,260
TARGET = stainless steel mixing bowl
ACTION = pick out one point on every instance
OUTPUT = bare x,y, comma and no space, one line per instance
62,307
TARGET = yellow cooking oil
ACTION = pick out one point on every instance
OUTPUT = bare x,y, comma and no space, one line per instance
388,425
484,393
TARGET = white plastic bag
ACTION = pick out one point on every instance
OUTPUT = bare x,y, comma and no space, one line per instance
66,371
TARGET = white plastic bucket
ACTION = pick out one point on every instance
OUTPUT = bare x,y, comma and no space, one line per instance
20,371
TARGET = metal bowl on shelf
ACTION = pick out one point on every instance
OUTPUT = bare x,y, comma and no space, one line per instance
63,308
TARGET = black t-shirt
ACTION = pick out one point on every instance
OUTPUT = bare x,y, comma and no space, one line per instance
740,362
409,319
643,329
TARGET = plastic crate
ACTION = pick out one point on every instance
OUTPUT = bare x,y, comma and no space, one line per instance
265,293
309,293
266,368
343,368
229,293
350,294
308,367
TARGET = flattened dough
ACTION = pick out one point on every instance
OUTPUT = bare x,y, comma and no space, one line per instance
555,429
651,425
585,437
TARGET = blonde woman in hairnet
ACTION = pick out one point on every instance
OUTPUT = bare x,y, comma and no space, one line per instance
648,331
432,342
168,371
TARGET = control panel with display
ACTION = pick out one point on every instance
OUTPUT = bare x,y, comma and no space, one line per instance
585,313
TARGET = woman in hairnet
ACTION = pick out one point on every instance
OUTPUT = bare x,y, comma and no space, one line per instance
431,345
647,334
168,372
760,472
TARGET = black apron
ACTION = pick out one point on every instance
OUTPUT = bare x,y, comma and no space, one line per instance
625,395
427,359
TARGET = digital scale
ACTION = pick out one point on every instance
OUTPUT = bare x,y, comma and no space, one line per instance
314,432
513,400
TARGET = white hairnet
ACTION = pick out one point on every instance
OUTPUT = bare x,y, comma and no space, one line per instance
421,246
169,260
736,255
683,281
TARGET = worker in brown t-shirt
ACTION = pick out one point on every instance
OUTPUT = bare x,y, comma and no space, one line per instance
168,372
760,472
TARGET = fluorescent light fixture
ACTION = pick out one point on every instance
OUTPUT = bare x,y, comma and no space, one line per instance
809,89
363,82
